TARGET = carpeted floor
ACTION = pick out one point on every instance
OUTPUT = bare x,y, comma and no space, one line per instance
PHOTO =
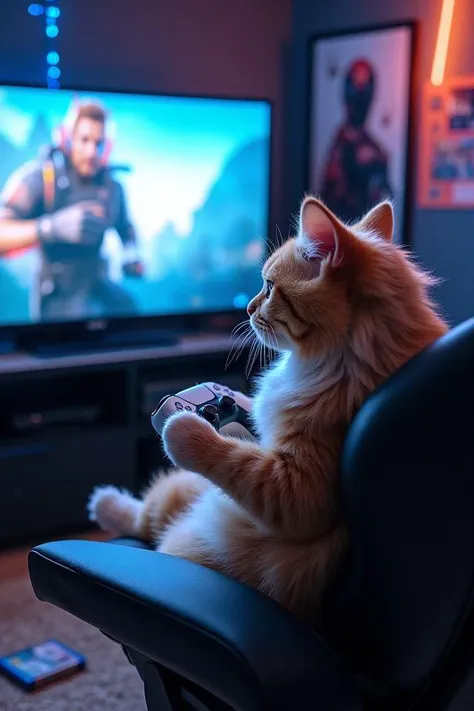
109,684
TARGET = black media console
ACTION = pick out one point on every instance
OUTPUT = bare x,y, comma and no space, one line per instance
68,424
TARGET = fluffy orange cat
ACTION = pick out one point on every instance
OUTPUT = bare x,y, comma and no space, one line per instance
345,307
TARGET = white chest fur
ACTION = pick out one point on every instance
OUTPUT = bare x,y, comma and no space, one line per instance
276,390
288,382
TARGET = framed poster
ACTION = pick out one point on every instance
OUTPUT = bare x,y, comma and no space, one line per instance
446,162
360,120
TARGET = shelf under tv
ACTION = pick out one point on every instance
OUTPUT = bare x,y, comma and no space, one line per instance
69,423
99,342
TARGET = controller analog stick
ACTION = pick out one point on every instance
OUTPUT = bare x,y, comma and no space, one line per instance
209,413
227,403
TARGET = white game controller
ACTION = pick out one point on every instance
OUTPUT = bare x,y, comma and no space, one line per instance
227,410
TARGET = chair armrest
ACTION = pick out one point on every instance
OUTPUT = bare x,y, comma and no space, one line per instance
226,637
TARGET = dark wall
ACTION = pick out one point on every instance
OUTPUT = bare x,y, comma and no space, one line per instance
444,240
208,47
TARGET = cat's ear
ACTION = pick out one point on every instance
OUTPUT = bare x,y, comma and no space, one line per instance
379,219
318,231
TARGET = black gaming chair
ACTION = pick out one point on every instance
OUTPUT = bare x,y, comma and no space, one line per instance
398,630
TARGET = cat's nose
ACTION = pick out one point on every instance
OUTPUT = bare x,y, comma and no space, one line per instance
251,308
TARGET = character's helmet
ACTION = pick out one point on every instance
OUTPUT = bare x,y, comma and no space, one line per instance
62,135
359,89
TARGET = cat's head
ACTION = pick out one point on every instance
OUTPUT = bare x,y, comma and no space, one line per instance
335,286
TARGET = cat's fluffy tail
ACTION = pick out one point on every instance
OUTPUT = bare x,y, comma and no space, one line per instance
116,511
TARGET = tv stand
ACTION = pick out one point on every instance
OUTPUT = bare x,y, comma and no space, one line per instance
96,342
8,343
70,422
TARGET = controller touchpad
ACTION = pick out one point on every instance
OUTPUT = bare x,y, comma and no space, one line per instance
197,395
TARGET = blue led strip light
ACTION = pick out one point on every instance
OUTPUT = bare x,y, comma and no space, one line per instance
50,11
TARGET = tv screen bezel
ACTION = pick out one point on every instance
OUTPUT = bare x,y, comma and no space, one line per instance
186,321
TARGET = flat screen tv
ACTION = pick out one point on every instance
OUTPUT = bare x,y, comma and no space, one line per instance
124,207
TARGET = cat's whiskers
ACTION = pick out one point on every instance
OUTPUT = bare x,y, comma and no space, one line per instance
262,355
240,343
254,351
261,348
267,332
237,349
273,338
239,327
270,247
280,240
271,347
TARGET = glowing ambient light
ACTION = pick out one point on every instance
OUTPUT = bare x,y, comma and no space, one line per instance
442,43
35,9
52,57
51,14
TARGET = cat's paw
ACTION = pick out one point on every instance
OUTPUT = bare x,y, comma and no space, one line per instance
190,441
112,509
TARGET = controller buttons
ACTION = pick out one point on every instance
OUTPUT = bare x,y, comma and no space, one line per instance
178,405
216,387
209,413
227,403
188,408
229,392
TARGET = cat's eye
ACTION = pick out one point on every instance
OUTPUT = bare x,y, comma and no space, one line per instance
268,287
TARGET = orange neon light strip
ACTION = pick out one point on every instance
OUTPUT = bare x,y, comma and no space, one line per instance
442,43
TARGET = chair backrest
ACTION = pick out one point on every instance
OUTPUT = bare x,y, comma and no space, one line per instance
407,589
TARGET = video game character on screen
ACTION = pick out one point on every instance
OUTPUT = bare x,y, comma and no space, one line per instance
62,204
356,170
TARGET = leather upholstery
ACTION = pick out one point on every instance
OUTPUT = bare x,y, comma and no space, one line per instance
131,543
408,493
231,640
